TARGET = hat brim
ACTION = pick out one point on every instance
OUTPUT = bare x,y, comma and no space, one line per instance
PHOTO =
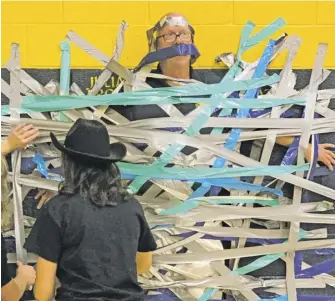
117,151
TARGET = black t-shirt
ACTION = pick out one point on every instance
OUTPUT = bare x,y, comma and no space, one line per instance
5,278
95,248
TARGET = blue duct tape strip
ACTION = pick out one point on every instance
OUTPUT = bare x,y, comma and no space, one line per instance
324,267
315,156
302,298
266,32
169,52
41,165
298,262
235,133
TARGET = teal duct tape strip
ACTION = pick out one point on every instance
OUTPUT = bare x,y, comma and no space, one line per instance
38,103
192,174
65,68
55,103
264,260
65,74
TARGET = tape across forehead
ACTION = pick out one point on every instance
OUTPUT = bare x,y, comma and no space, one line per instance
173,21
166,21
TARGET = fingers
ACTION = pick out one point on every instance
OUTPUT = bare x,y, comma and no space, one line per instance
40,193
329,161
19,127
19,263
23,129
30,136
41,202
328,145
330,153
29,133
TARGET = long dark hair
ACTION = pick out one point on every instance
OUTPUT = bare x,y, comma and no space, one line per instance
101,184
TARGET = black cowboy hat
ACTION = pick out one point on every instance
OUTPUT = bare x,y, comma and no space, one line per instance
89,140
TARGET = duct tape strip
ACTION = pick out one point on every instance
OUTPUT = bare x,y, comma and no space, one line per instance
286,213
220,268
270,139
64,88
15,102
106,74
236,132
290,123
87,47
324,267
167,95
147,136
238,253
256,234
297,194
65,68
30,82
173,150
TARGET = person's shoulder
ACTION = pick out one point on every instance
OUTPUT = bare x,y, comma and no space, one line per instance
134,204
60,203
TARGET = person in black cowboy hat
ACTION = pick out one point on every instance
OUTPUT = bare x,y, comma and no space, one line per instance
93,236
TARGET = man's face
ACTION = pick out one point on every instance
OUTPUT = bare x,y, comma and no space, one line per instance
170,35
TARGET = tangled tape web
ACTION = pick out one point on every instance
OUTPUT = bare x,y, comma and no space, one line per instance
188,225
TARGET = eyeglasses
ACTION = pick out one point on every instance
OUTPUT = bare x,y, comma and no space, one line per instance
171,37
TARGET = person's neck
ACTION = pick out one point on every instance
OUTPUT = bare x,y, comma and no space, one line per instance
182,72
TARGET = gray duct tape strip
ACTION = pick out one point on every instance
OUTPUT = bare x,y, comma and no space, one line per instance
245,252
275,123
303,142
209,212
253,233
228,282
15,102
106,74
153,136
87,47
34,85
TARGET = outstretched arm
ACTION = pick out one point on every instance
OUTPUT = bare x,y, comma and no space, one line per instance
19,138
325,155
